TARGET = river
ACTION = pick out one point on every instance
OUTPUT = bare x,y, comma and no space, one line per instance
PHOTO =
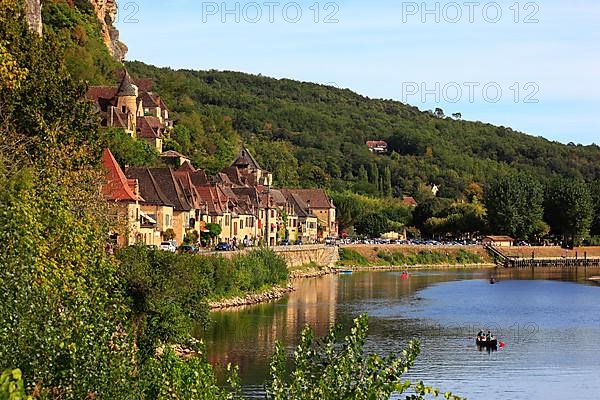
549,321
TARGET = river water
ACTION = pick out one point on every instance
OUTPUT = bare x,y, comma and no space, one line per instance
549,321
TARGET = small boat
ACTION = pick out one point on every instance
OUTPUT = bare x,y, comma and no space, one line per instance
405,276
483,342
345,271
493,281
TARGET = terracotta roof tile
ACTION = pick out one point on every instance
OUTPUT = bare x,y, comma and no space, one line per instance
149,188
316,197
117,186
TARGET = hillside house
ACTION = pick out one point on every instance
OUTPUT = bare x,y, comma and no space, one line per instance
377,146
139,112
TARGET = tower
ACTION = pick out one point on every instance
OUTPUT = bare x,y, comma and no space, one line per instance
127,95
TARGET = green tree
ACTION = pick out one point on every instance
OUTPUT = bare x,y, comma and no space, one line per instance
373,225
129,151
514,205
214,230
279,159
373,172
363,176
569,209
595,193
387,182
327,369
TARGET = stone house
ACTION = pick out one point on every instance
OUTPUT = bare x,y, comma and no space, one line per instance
126,197
318,203
139,112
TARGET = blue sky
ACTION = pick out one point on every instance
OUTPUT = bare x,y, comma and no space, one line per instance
532,66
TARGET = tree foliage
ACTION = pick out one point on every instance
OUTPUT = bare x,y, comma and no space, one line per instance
515,205
326,369
326,129
373,225
127,150
569,209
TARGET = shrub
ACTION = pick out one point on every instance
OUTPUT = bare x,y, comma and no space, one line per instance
327,369
352,256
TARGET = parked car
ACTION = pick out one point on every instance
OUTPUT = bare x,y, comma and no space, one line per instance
187,249
298,242
223,247
330,241
285,242
168,246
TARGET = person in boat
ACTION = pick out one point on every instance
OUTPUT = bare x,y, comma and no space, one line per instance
480,334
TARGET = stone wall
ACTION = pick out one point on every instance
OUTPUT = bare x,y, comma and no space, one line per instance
298,256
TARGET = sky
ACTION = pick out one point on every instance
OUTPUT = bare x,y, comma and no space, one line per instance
533,66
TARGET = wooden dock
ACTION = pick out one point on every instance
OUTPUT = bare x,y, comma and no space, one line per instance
508,261
551,263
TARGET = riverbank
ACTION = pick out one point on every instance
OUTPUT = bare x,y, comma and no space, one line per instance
278,292
273,294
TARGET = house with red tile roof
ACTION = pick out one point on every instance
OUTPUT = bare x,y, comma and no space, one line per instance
377,146
133,225
318,203
156,204
136,110
245,171
308,222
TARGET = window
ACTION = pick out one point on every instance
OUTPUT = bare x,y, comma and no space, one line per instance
167,220
124,109
272,213
241,225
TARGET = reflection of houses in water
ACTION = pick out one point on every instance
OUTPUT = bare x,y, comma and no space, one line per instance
314,304
247,337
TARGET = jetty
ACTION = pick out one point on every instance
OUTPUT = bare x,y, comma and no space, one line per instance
545,257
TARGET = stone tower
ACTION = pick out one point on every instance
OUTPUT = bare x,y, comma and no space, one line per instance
127,95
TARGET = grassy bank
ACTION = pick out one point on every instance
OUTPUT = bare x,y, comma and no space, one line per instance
366,256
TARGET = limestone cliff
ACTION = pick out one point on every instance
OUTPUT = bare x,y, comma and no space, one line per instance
33,8
106,11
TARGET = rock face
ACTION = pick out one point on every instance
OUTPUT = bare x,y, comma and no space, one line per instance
33,8
106,11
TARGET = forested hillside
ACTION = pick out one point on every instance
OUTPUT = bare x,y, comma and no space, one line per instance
316,135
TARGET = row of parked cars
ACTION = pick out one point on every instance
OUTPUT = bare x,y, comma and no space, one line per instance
410,242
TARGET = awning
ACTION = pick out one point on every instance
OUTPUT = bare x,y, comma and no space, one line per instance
147,217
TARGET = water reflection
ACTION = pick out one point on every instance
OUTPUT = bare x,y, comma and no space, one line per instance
550,324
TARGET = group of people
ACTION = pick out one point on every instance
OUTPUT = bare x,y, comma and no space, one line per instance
485,336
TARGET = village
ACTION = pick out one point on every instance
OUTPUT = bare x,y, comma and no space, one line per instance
180,204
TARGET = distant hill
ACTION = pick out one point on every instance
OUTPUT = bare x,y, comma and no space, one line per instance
327,128
315,135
